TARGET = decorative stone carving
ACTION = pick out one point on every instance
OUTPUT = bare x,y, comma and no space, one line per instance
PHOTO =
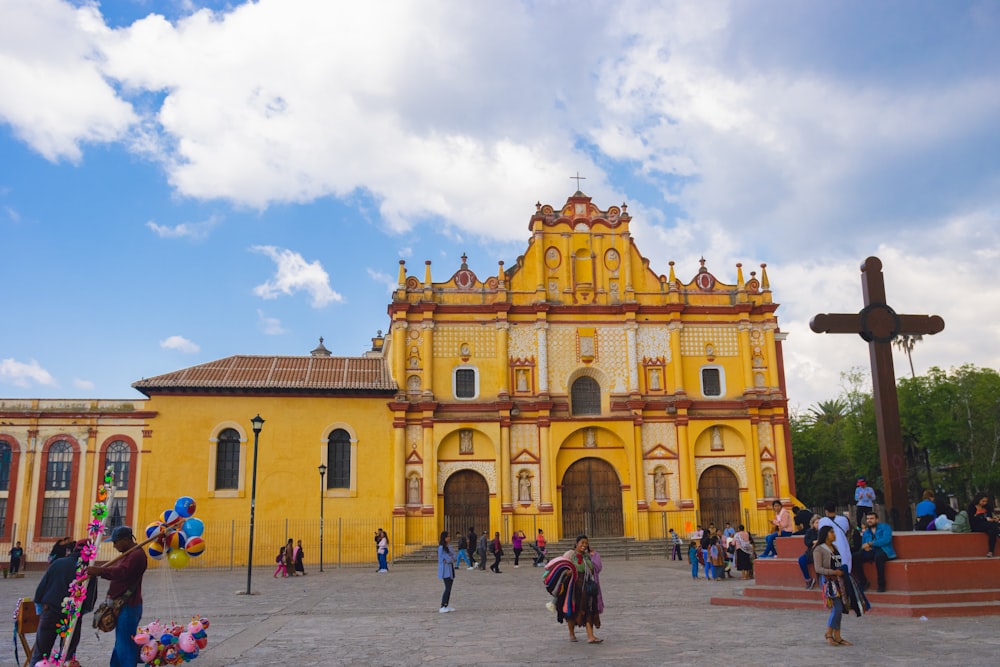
487,469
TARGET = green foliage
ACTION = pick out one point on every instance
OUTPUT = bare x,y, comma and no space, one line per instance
954,415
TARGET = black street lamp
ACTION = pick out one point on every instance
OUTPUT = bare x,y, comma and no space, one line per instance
258,424
322,498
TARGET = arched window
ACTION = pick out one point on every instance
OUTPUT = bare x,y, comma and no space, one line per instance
585,395
227,460
338,456
118,456
58,477
6,455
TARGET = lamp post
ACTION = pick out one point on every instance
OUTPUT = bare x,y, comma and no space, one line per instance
322,498
258,424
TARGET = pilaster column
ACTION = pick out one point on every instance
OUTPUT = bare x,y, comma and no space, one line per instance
543,356
547,485
503,342
504,476
398,360
675,357
773,378
746,356
427,328
633,356
685,459
399,464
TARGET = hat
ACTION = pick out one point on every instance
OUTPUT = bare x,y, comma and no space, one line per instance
121,533
861,480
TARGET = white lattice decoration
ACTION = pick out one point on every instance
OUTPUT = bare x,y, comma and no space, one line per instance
481,340
653,341
414,437
612,356
737,464
725,340
561,356
764,437
673,479
524,437
522,342
658,433
487,469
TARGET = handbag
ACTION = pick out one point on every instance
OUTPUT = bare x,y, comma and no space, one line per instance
590,587
106,615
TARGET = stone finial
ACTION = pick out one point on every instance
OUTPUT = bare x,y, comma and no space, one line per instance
320,350
764,282
402,272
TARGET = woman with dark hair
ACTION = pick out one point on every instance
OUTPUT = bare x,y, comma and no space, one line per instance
587,600
826,561
446,569
981,519
496,548
926,511
745,552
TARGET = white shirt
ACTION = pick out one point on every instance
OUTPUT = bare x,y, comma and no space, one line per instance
841,526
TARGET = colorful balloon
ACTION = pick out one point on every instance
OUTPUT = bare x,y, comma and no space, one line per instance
194,527
195,546
156,551
176,540
178,559
170,517
186,642
148,652
185,506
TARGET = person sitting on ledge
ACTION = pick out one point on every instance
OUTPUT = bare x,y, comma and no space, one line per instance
926,512
876,545
982,520
782,528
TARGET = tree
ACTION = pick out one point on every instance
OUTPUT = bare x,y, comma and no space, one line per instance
906,342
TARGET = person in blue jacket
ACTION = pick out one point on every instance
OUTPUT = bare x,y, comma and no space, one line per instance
876,545
446,570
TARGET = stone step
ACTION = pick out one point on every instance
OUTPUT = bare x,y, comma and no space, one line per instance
880,605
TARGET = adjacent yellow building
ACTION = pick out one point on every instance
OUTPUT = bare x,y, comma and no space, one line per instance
578,390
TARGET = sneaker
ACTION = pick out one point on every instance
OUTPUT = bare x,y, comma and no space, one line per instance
810,584
449,608
517,566
471,568
443,610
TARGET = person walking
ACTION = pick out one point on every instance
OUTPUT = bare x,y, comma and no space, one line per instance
280,560
745,552
496,548
50,593
516,543
382,551
826,562
481,548
471,538
290,557
125,576
675,546
16,556
446,570
540,549
588,602
463,551
298,559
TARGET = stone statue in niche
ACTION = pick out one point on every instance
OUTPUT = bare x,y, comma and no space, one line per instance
465,441
464,350
524,487
413,491
522,379
413,383
768,476
717,439
589,437
654,379
586,346
660,485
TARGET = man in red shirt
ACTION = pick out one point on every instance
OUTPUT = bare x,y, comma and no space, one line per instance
125,576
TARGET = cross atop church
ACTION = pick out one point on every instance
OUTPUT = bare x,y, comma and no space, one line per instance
578,178
879,324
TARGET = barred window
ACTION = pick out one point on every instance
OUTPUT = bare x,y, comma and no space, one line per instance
118,457
586,396
711,382
227,460
338,455
55,517
5,456
59,466
116,513
465,383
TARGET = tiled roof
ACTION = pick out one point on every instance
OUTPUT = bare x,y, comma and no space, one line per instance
282,374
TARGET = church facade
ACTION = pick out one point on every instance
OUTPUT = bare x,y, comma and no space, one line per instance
576,391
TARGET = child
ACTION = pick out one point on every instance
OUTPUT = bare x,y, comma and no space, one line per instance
716,561
694,557
280,560
675,542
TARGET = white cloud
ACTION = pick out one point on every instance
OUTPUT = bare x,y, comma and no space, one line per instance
194,230
52,89
270,326
296,275
389,282
25,374
86,385
12,214
180,344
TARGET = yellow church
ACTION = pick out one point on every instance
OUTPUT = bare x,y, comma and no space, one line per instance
578,390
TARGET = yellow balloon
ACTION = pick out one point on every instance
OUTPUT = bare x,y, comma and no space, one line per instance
178,559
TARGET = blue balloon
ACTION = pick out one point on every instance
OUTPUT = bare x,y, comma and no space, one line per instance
194,527
185,506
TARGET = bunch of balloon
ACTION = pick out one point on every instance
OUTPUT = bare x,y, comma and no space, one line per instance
177,535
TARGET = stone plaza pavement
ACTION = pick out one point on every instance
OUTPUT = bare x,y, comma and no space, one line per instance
655,615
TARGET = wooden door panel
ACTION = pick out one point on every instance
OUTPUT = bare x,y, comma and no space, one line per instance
466,502
719,495
592,500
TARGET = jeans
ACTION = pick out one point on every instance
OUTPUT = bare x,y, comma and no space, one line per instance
769,550
861,557
482,559
540,559
709,570
383,561
517,556
46,637
694,568
126,653
836,611
804,560
675,552
496,562
446,597
463,554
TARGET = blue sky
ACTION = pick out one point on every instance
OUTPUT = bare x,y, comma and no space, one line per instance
183,181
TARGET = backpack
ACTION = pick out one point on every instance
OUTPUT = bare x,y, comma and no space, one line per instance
961,523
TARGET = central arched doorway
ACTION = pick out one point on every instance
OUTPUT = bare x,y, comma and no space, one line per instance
592,500
466,503
719,496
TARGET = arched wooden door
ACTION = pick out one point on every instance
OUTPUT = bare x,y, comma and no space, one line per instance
466,503
719,493
592,500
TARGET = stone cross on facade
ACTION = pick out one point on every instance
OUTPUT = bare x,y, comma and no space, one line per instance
879,324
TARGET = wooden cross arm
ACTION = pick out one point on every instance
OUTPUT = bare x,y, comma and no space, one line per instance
908,325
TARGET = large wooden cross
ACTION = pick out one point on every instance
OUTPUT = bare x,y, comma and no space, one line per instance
879,324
